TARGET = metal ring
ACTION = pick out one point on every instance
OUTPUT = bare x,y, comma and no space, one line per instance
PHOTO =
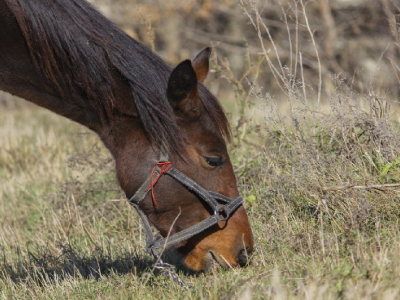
219,210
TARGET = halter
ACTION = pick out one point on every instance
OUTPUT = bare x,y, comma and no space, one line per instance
155,243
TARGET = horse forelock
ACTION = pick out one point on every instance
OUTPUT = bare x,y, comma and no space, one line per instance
79,50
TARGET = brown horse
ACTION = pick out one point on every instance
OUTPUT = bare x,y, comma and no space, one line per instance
65,56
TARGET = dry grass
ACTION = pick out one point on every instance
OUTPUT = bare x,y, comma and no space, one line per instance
317,162
65,234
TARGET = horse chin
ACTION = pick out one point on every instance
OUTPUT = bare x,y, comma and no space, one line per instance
191,263
216,264
212,264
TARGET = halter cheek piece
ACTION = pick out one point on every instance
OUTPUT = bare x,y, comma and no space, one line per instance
155,243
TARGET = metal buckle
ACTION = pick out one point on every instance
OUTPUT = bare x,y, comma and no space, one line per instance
221,210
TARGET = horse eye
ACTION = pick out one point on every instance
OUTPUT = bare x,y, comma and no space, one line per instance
213,161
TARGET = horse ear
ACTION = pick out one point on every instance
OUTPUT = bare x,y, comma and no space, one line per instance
182,90
201,64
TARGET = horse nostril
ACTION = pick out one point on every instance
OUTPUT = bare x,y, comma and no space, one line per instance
244,257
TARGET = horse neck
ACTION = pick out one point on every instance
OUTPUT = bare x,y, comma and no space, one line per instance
20,76
121,131
126,140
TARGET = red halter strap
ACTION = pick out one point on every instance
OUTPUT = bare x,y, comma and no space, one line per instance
165,166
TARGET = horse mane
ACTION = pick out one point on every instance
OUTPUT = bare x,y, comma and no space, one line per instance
79,49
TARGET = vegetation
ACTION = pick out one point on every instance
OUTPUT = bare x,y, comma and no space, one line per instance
316,152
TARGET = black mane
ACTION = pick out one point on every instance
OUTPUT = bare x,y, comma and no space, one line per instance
79,49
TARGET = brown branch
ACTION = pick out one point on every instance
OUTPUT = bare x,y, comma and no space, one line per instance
352,186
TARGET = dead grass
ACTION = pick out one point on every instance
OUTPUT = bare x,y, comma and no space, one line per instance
318,164
67,233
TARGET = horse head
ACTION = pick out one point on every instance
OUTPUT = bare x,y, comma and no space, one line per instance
204,160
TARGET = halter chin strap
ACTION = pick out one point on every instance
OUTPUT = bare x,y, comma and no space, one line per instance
155,243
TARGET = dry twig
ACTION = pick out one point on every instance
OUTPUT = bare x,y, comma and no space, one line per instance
353,186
